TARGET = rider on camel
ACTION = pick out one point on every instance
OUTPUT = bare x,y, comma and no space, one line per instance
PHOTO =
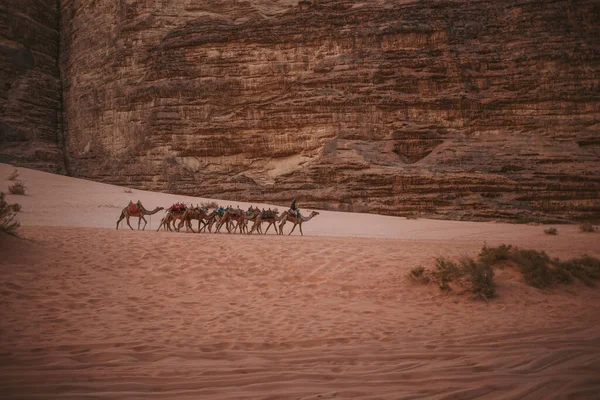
294,208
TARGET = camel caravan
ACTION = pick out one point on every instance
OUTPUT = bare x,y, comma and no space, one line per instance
209,218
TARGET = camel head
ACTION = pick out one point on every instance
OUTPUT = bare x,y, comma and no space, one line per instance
314,213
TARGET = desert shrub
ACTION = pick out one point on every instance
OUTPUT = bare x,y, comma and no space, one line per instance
492,255
586,268
475,277
13,176
210,204
17,188
419,274
7,217
445,272
128,190
586,227
481,277
539,270
551,231
411,215
16,207
534,266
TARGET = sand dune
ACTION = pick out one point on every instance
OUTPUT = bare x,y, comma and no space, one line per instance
89,312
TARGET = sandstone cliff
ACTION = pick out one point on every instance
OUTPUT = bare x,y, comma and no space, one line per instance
453,109
30,92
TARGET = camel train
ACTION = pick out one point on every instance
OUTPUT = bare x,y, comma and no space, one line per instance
233,219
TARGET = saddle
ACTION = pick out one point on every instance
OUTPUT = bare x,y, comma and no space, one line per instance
133,208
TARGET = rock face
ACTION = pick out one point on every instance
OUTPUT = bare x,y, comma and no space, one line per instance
30,90
453,109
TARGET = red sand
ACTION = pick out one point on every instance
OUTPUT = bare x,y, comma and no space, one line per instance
94,313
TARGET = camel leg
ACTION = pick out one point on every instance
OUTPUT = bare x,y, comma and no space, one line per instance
281,228
145,222
128,222
120,219
293,227
301,230
268,226
139,221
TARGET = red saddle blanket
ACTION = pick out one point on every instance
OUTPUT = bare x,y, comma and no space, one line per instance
133,208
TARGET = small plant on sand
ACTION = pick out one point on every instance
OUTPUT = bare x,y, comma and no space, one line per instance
7,217
128,191
492,255
535,268
17,188
586,268
587,227
551,231
475,277
411,215
210,204
539,270
418,273
13,176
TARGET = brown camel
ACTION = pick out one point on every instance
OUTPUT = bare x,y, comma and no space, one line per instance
228,218
191,214
293,218
171,217
253,214
136,210
265,216
209,221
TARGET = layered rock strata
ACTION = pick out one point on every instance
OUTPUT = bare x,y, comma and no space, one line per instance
30,90
452,109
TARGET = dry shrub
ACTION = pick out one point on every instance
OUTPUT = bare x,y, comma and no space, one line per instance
475,277
586,268
492,255
551,231
481,277
537,268
13,176
128,190
587,227
7,217
540,271
418,273
210,204
17,188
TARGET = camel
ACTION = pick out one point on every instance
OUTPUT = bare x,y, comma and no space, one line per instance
293,218
228,217
209,220
266,216
171,217
136,210
189,215
253,214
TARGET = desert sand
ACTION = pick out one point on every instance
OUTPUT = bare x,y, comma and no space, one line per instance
90,312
